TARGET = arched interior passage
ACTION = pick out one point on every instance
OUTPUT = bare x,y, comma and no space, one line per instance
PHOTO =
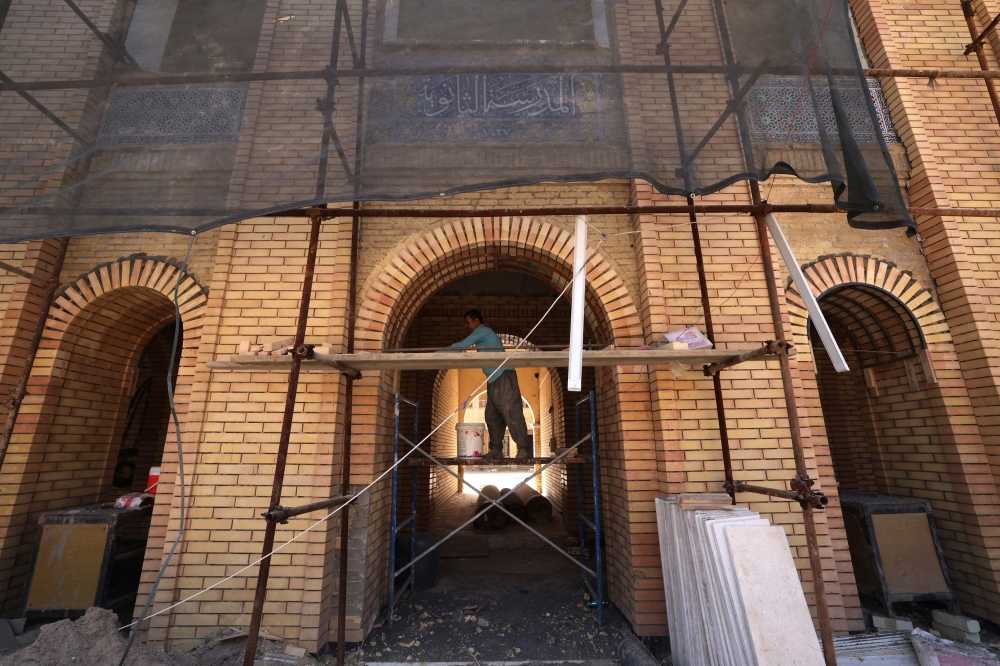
394,296
864,408
512,303
100,386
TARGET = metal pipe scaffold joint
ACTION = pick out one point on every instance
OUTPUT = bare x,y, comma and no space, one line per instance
770,348
806,497
281,514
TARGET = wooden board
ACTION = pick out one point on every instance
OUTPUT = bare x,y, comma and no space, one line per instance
909,559
696,358
68,567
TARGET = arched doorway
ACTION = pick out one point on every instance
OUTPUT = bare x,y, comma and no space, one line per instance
417,270
99,388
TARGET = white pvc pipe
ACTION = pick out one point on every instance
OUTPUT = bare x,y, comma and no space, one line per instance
575,374
802,284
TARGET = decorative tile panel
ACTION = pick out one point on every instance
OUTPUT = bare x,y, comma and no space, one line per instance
496,107
173,115
771,106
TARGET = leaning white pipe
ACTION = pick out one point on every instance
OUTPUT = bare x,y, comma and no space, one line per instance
575,374
802,284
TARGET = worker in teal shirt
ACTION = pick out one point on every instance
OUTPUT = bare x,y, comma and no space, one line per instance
504,410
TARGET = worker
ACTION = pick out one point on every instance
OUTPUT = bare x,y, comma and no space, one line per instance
504,410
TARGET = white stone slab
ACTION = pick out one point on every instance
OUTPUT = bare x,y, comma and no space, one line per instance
776,609
739,632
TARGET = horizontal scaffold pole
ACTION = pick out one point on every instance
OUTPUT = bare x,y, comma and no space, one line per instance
132,78
365,362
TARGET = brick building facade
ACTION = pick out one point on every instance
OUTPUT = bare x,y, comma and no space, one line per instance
923,423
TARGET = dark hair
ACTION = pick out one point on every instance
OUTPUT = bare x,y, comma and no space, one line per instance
475,314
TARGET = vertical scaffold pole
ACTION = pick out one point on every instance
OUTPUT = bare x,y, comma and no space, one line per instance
706,306
579,494
597,592
413,502
345,481
392,514
598,554
808,517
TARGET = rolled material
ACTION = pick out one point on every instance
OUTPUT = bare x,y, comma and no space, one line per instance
513,504
494,518
536,506
631,652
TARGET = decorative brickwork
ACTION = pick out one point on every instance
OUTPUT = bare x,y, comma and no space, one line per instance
834,271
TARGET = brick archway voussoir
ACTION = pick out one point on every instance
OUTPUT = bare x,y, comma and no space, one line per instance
457,243
155,274
833,271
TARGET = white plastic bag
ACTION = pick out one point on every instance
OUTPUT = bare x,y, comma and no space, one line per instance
694,338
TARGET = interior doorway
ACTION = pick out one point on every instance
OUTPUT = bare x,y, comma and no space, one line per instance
147,417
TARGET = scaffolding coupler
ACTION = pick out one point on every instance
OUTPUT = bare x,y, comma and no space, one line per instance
770,348
308,353
801,492
281,514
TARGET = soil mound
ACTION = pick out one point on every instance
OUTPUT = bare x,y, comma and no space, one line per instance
92,640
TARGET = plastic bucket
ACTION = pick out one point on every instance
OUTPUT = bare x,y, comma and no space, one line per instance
153,481
470,439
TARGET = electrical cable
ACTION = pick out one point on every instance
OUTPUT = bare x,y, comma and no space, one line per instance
180,450
336,510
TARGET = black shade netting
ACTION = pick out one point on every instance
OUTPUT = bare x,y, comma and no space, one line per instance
179,115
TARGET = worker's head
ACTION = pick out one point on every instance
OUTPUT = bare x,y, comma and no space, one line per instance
473,318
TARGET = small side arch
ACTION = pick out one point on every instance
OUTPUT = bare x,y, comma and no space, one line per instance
851,287
156,274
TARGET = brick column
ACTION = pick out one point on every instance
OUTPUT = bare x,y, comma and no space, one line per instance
953,121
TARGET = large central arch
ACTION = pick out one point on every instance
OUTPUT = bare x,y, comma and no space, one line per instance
419,267
458,248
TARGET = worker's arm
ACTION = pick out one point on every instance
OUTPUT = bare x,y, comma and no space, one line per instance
476,337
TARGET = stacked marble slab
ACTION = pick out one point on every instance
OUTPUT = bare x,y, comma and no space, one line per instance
732,591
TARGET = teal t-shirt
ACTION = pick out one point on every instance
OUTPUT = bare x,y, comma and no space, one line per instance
483,336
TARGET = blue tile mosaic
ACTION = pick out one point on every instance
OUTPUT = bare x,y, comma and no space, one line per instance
771,106
496,107
173,115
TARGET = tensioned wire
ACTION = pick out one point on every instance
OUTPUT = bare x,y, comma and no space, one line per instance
336,510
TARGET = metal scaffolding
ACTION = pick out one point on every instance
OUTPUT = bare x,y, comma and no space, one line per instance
800,485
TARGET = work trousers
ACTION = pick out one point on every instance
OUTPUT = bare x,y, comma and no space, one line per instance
504,410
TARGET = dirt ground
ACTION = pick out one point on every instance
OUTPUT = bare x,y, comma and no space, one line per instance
505,606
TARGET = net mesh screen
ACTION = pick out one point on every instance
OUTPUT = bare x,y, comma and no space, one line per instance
179,115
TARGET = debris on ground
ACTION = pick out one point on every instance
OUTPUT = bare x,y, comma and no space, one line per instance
92,640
